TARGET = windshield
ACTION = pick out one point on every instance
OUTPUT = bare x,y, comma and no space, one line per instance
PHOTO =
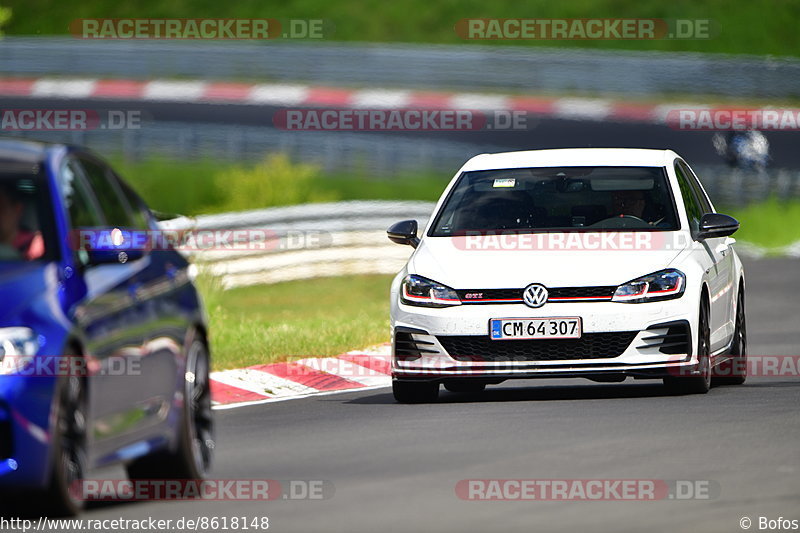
24,215
558,199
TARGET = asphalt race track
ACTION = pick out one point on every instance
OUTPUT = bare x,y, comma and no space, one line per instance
395,467
695,146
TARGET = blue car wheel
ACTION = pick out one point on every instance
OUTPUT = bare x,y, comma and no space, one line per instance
191,458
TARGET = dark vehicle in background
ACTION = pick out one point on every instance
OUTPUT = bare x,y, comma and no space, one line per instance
748,149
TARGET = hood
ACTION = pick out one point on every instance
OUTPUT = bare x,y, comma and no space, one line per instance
448,261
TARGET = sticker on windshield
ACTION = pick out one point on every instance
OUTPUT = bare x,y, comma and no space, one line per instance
505,182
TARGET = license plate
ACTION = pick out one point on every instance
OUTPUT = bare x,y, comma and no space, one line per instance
535,328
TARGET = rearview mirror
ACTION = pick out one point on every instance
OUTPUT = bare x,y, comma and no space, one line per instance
717,225
404,232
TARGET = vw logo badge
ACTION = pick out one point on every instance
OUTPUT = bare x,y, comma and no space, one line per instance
535,295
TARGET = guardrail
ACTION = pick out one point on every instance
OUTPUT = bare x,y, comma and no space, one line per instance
319,240
449,67
305,241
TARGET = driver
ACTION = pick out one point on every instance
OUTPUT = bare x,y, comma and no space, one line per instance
10,214
636,204
629,203
16,243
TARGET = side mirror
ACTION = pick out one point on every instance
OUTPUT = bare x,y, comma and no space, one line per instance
717,225
404,232
115,246
106,257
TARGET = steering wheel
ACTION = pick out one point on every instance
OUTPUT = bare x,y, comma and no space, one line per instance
621,221
634,217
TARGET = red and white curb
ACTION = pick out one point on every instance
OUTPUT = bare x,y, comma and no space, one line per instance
356,370
287,95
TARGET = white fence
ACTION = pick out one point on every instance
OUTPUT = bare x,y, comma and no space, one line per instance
302,242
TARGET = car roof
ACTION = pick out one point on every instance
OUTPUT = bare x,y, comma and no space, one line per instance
24,151
572,157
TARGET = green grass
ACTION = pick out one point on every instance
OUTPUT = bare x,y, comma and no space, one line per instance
319,317
201,187
765,27
207,186
770,224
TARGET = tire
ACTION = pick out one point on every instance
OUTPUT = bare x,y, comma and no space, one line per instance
193,456
70,461
734,371
415,391
700,384
465,386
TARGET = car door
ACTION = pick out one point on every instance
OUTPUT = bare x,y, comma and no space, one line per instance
149,285
164,289
723,246
152,285
108,316
710,254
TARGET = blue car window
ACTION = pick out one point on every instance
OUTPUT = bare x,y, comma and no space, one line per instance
113,205
81,210
140,213
25,218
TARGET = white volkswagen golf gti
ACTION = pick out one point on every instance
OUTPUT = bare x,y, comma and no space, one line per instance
595,263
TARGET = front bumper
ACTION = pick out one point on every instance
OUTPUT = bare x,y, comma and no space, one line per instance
25,438
646,342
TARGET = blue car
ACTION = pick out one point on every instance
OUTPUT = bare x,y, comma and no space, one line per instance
104,354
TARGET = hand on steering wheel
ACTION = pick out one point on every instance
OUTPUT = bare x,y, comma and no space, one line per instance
633,217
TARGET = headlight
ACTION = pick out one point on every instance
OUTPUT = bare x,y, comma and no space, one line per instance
661,285
427,293
17,347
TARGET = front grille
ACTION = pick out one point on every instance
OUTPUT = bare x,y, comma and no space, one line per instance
591,346
470,296
582,292
556,294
